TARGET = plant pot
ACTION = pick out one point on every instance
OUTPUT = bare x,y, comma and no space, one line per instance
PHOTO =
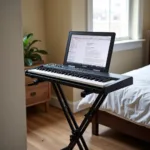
35,63
38,62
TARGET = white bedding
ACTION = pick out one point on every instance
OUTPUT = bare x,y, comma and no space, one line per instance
131,103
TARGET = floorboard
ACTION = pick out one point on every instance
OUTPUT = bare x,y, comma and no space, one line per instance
50,131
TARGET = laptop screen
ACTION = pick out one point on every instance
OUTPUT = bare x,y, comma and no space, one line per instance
90,50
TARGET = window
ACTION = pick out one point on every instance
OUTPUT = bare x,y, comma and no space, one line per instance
120,16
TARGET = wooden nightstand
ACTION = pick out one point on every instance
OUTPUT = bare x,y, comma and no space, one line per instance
37,94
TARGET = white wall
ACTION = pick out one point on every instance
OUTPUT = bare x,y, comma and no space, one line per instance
33,17
127,60
12,89
58,24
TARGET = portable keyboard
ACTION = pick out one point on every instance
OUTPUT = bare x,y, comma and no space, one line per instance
82,76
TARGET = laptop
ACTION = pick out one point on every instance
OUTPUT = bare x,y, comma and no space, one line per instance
89,50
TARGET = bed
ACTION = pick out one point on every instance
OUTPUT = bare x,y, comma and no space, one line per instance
126,110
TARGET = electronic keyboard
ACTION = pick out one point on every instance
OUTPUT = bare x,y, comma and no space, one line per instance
91,78
92,81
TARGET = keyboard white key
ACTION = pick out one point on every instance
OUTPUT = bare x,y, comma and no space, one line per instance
72,78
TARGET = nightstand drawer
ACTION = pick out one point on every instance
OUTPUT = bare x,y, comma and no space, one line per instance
37,94
29,80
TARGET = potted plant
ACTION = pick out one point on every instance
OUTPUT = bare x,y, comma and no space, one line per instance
31,53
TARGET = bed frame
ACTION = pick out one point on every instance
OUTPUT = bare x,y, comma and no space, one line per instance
119,124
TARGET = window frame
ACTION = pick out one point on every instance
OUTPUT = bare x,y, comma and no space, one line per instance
134,34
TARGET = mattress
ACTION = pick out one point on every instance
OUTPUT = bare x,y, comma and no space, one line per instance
131,103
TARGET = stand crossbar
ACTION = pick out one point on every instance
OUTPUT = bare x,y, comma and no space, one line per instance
77,131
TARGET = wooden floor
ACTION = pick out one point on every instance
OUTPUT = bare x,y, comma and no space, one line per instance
50,131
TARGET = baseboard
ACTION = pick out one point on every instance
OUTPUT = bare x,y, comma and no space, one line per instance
73,105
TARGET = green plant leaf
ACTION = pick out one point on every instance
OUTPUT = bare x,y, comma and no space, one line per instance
29,53
29,35
26,39
36,57
35,49
28,62
33,42
42,52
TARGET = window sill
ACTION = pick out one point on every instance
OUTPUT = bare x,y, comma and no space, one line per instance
128,45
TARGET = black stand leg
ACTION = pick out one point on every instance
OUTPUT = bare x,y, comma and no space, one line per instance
69,116
77,132
98,102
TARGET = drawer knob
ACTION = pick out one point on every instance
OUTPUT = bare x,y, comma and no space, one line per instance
33,94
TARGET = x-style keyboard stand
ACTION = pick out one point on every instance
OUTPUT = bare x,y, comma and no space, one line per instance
77,131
